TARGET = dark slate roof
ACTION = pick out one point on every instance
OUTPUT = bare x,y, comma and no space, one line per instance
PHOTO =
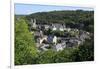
50,38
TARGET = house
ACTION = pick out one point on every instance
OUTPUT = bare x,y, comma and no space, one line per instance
46,27
55,40
57,26
42,39
68,29
60,46
54,28
52,39
43,47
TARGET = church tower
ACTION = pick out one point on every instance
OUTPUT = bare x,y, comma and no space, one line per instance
33,23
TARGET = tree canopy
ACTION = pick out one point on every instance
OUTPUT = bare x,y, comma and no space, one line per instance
24,43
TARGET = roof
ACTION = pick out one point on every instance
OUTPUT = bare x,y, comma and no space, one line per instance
58,25
59,47
50,38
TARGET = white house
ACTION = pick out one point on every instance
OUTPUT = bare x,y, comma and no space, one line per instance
58,47
42,39
68,29
55,40
60,27
46,27
54,28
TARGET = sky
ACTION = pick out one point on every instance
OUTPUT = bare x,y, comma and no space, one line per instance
25,9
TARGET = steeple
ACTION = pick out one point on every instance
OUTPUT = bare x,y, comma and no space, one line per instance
33,23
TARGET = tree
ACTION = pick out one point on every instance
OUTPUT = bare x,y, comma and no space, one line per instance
25,50
46,57
85,52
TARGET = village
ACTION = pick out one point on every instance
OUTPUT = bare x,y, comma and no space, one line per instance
56,36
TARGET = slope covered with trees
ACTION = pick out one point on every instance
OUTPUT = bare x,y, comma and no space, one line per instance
70,18
25,50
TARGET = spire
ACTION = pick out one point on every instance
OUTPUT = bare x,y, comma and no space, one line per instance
33,22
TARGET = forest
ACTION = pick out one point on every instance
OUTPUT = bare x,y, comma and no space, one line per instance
25,46
70,18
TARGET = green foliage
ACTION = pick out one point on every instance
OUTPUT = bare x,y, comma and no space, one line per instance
85,52
26,52
46,57
65,55
24,44
69,18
